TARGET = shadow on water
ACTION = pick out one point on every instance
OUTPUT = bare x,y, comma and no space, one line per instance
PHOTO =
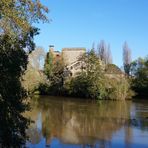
61,122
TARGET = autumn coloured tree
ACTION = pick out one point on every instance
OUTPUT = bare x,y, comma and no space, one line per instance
17,16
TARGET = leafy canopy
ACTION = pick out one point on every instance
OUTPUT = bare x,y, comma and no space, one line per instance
17,16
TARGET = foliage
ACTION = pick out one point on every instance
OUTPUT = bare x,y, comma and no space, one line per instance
48,65
53,69
90,82
139,71
113,69
34,74
13,63
119,89
118,85
17,16
98,81
78,86
16,37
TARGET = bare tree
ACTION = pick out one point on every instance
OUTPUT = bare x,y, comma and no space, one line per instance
104,52
37,57
126,58
109,59
33,75
93,46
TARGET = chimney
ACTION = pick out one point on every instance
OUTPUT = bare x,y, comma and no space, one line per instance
51,48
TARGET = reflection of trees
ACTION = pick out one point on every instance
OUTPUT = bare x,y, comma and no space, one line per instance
141,116
82,123
96,122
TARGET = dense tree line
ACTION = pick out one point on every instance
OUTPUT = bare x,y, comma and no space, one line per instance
139,76
92,82
98,78
137,71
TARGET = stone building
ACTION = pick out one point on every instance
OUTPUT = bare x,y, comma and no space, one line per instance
71,55
70,58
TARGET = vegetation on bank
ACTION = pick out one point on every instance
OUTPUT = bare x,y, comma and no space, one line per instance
139,76
19,76
97,79
92,82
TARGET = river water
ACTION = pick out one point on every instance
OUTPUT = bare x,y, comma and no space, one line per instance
76,123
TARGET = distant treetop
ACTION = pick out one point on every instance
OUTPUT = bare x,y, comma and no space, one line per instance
113,69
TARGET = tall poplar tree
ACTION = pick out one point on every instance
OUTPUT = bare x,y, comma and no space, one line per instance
126,58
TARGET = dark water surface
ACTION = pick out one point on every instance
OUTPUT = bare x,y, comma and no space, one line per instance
73,123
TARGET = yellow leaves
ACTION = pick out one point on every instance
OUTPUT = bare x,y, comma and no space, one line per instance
20,14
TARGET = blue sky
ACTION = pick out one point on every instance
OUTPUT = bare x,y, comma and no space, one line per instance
79,23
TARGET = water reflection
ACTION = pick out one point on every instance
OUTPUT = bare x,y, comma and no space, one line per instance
78,123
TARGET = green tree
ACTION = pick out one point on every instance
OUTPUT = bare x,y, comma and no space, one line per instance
139,71
48,65
54,70
89,83
95,75
13,62
98,81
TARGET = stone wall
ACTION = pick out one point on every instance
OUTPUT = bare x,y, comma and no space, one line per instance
71,55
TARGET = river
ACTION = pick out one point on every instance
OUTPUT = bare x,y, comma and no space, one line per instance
76,123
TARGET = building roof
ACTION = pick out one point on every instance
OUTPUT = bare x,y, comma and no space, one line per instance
74,49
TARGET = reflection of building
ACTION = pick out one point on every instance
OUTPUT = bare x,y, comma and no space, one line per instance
70,57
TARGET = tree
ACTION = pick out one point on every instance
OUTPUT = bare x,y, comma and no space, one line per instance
16,37
34,74
139,72
89,83
109,56
93,46
17,16
13,63
48,65
37,58
104,52
54,70
126,58
98,81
